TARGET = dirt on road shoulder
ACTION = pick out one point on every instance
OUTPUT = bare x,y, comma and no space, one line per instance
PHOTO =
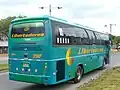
3,55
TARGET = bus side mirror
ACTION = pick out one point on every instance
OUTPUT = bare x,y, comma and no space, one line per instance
107,42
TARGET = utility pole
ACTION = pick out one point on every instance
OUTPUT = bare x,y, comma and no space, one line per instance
110,34
110,25
50,8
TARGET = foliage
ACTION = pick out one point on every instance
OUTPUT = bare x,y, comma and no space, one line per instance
4,24
116,40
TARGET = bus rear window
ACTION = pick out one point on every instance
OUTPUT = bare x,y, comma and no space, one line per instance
27,30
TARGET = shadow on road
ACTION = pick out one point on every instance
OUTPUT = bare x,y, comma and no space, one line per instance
64,86
50,87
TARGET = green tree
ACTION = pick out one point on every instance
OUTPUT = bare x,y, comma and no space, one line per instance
117,41
4,24
113,39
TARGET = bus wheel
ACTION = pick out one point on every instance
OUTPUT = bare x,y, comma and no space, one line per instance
78,74
103,65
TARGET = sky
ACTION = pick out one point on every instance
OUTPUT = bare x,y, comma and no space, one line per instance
92,13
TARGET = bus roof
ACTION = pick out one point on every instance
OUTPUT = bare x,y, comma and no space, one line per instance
46,17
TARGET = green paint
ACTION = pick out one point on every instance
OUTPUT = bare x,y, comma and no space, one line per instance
26,78
91,57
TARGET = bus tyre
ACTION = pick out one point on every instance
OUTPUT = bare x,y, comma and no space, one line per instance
78,74
103,65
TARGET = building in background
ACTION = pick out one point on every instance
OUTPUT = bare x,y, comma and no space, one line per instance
3,47
3,43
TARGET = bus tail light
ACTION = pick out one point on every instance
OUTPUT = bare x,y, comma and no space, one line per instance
54,73
45,67
29,70
22,69
16,69
36,70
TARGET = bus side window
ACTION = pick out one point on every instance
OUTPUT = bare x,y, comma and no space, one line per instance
84,37
59,36
64,34
61,32
98,39
69,33
91,37
55,33
102,39
78,36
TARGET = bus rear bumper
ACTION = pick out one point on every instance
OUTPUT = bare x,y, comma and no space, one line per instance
29,78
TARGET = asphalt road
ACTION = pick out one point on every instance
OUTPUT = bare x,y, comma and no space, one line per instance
6,84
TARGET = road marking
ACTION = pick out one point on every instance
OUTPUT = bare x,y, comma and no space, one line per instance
3,73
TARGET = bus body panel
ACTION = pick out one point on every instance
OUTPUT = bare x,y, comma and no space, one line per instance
40,71
25,51
38,60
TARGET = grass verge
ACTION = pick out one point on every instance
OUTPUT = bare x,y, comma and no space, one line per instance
109,80
3,67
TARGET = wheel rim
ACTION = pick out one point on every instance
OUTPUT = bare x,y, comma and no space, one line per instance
104,63
78,75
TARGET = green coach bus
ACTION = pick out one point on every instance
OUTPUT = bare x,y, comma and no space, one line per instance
48,50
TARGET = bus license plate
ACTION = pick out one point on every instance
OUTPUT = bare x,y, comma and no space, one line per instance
26,65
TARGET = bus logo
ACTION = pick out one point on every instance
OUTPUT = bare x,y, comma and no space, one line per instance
27,28
69,58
